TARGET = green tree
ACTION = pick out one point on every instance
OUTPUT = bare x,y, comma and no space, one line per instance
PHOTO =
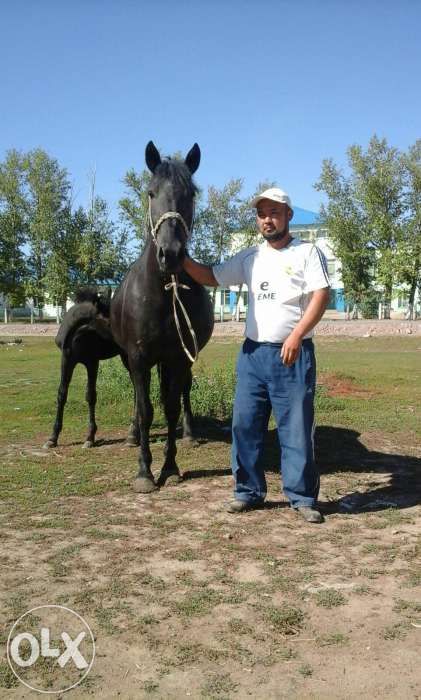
364,216
13,230
102,248
408,259
379,186
134,205
49,212
217,222
346,222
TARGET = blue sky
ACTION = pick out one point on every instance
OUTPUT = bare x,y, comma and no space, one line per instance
268,89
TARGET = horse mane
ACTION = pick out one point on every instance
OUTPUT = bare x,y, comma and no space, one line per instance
177,171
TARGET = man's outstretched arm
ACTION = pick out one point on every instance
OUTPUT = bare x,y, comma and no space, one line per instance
200,273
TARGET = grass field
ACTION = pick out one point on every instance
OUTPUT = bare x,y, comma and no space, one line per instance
185,600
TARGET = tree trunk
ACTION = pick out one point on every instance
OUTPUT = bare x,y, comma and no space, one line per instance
388,288
412,291
32,315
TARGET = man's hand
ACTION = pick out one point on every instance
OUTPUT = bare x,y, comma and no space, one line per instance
291,348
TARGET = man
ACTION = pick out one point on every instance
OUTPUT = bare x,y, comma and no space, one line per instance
288,290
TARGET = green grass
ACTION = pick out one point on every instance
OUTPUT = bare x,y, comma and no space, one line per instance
329,598
29,376
388,368
285,619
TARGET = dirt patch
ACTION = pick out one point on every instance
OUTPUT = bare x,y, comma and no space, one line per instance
336,327
342,386
187,600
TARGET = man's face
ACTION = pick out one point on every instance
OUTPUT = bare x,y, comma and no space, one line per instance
273,219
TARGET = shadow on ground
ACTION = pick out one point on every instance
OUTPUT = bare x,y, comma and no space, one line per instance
340,451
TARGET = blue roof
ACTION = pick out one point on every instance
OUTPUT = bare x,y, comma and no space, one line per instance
304,217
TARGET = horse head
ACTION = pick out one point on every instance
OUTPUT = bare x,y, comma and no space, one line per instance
171,205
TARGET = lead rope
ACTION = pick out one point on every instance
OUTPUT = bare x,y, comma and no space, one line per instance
175,284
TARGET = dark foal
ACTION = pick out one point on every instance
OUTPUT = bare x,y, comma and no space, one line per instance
85,336
142,315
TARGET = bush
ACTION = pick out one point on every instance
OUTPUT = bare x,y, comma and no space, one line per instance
369,307
212,391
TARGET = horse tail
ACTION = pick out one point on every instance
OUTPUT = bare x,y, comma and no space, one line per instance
79,315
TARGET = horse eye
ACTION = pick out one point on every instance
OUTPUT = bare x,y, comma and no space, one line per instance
151,194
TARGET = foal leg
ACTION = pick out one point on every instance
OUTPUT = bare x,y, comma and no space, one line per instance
67,367
172,385
188,424
144,482
92,370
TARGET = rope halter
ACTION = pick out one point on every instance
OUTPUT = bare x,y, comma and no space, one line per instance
175,284
164,217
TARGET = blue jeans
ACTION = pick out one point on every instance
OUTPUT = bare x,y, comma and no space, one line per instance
264,383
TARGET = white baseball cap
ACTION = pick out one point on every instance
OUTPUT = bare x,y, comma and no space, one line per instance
275,194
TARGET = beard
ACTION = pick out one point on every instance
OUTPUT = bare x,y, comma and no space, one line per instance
276,235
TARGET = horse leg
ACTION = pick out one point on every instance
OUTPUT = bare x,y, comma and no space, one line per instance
188,423
92,370
133,435
144,482
171,388
67,367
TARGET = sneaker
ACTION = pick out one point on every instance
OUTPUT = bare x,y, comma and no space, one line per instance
310,515
242,506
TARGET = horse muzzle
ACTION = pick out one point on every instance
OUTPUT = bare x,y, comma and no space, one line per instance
170,260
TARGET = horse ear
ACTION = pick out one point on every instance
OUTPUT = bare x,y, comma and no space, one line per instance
152,156
193,158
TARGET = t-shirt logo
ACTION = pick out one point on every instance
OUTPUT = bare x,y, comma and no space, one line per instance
288,270
265,294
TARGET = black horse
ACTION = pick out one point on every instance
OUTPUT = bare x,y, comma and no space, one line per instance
147,320
85,336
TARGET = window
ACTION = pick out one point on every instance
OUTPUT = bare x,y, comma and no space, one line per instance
225,297
331,268
245,297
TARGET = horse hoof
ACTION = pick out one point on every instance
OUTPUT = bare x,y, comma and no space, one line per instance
173,480
49,444
169,478
143,485
87,444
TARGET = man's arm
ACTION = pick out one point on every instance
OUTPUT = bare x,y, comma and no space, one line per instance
315,310
200,273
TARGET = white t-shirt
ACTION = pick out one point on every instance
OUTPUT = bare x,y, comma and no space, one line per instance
279,283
